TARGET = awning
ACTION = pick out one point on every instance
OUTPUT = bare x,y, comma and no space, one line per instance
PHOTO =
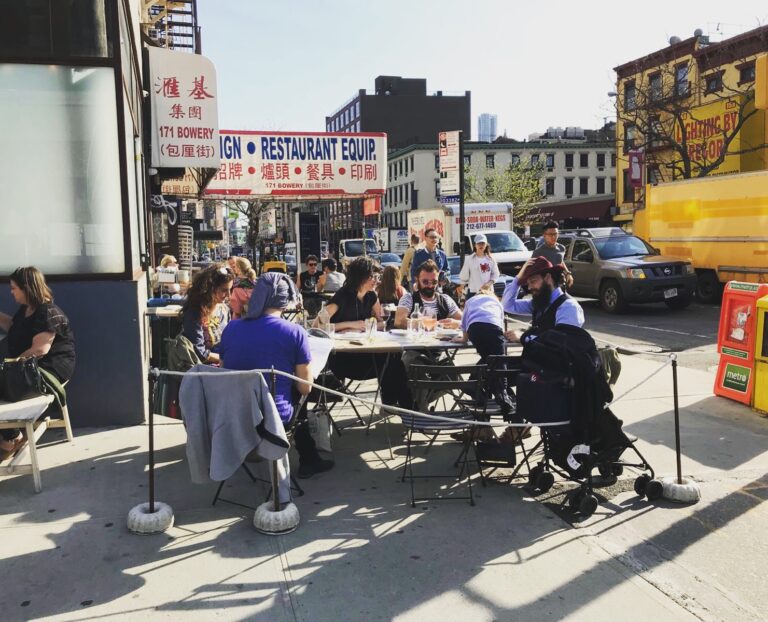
578,209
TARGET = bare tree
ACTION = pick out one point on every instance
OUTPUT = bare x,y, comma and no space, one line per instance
685,120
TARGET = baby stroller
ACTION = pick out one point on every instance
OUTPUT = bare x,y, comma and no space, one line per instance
562,389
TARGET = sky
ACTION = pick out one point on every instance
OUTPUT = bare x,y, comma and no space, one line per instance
285,65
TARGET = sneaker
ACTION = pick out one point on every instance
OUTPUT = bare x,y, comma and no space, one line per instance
308,469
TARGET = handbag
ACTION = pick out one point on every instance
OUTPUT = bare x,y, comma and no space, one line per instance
20,379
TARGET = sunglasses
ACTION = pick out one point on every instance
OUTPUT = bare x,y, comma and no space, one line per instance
433,237
428,283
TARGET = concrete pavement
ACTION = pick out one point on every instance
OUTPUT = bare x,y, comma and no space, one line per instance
362,552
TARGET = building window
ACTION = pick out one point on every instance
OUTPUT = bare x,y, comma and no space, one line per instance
583,160
490,160
407,162
550,161
746,72
613,160
488,186
569,186
654,86
437,188
534,159
437,162
600,160
400,163
713,83
549,186
681,80
600,185
515,159
407,189
82,229
629,191
568,161
629,95
467,160
583,185
412,168
357,108
630,131
613,185
654,175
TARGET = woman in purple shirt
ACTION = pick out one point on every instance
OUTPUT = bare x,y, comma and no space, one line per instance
262,340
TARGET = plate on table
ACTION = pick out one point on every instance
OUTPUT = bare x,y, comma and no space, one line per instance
448,333
398,332
350,335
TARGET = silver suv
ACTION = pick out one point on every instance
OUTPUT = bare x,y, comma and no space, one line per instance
619,269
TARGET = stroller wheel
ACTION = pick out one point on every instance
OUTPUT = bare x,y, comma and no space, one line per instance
617,469
640,483
654,489
533,475
545,481
574,500
588,505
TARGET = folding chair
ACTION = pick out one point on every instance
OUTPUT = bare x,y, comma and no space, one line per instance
428,381
290,430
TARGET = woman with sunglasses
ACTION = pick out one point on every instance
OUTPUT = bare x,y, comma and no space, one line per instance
349,308
205,313
479,269
38,329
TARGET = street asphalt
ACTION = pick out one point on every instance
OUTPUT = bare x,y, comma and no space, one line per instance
362,553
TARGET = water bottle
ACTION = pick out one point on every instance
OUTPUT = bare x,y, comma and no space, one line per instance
414,324
323,318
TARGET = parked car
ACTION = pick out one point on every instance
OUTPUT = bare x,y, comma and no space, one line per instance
621,269
390,259
290,262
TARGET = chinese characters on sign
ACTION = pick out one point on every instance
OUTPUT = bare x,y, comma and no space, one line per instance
185,122
300,164
448,152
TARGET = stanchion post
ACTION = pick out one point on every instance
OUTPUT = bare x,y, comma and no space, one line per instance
677,418
151,451
275,491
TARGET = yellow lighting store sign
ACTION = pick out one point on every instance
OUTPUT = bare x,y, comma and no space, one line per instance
706,130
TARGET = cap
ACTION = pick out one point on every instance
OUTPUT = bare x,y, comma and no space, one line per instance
480,237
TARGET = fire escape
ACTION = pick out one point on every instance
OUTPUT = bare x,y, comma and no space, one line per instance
171,24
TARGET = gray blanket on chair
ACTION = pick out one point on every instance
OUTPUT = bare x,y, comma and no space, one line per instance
226,418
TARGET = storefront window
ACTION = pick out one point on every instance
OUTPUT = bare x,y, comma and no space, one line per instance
55,29
60,174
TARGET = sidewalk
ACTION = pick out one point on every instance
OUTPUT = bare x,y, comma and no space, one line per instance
362,552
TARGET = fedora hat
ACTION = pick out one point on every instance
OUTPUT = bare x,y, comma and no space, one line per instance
540,265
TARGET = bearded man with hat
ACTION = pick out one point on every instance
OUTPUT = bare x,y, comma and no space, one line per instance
549,305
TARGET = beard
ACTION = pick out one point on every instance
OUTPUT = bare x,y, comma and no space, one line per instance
542,297
428,292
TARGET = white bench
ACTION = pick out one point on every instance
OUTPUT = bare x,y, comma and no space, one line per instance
24,414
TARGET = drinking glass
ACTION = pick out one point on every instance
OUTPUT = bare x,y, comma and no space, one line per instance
430,319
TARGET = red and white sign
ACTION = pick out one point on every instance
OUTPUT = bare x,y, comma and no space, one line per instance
636,166
300,164
185,116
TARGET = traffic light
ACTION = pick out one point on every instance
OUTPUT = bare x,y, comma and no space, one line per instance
761,82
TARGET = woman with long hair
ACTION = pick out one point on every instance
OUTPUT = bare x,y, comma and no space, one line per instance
205,312
480,268
245,280
38,329
354,303
390,291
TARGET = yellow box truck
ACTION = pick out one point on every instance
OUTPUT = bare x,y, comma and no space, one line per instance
718,223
